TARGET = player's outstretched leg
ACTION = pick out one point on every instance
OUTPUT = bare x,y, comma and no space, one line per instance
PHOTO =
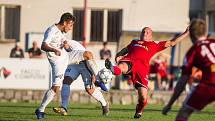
101,85
114,69
108,64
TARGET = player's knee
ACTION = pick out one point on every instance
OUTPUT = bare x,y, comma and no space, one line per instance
90,90
55,88
67,80
88,55
142,100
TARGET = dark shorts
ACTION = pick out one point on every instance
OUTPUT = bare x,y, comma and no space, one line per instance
200,96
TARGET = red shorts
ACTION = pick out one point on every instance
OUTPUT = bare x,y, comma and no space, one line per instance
201,96
138,73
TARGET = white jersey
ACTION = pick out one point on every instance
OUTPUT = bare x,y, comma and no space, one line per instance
76,53
54,38
74,45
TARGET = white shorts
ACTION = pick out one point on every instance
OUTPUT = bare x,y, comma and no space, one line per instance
58,67
74,70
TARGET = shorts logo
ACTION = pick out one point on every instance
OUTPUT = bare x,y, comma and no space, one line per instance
68,70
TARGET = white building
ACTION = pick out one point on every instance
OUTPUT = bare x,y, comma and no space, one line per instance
106,19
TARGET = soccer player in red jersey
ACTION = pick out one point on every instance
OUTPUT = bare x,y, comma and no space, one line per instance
202,56
133,60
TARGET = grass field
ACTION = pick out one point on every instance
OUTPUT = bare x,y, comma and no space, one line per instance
92,112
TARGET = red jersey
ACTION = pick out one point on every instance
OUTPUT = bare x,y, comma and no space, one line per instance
143,50
139,54
161,68
202,56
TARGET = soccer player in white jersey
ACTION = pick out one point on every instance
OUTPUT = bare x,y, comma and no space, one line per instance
53,45
56,47
76,67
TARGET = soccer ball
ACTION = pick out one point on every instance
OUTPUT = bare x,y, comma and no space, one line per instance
105,75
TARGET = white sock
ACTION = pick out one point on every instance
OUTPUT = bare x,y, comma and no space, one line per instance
49,95
92,66
65,93
99,97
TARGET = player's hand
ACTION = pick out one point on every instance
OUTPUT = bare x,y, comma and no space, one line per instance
57,52
65,45
187,30
118,58
166,109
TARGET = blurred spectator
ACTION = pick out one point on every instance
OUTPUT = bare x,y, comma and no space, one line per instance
35,51
162,76
105,53
17,51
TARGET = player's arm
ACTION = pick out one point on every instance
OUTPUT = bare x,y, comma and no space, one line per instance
177,92
45,47
121,53
66,46
177,39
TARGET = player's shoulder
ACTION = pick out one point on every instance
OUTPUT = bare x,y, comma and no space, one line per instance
204,42
52,30
134,40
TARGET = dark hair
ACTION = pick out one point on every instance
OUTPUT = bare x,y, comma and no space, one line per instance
67,17
197,29
105,43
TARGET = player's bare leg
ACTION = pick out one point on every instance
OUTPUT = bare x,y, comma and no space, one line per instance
184,113
91,64
142,101
93,69
159,81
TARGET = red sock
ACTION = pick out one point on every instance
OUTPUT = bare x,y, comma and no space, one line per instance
116,70
140,106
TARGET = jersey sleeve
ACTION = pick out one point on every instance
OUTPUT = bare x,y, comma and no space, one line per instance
47,36
129,45
161,45
188,61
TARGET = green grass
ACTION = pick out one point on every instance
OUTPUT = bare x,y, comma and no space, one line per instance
92,112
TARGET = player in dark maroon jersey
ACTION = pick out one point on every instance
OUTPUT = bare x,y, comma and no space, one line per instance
133,60
202,56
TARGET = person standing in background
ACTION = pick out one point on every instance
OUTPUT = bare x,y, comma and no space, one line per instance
17,51
105,53
34,51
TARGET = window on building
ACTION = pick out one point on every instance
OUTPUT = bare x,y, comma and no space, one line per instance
97,24
114,25
78,26
211,22
10,22
96,30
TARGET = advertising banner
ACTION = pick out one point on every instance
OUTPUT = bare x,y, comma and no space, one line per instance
24,73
